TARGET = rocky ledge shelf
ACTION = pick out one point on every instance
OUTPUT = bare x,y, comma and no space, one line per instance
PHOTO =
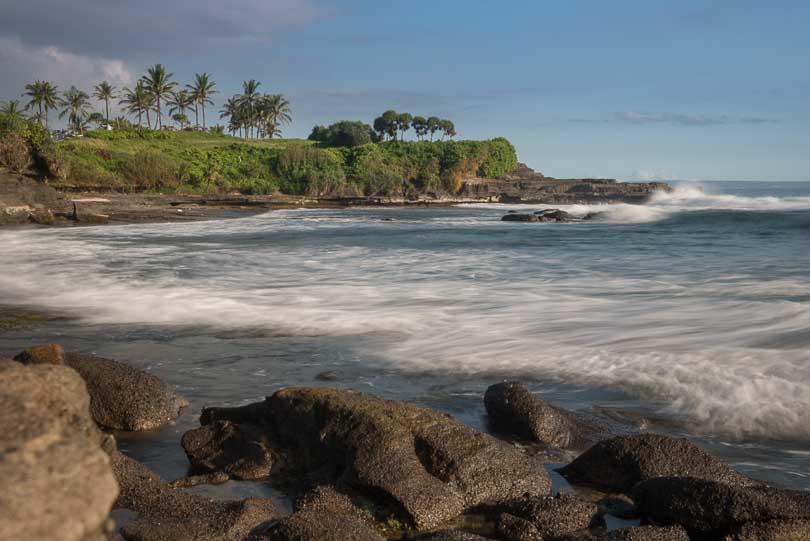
358,468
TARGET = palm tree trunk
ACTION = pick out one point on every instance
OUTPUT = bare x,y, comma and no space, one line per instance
107,105
196,116
159,123
203,114
148,120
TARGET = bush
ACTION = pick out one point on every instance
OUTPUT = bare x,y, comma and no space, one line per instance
501,159
305,170
149,170
14,152
84,176
54,162
345,133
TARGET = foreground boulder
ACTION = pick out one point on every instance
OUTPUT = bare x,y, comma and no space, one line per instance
774,530
57,481
240,451
640,533
710,505
165,513
513,409
425,464
617,464
323,515
121,397
551,517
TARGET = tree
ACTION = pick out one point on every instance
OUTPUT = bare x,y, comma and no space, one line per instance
319,134
232,110
105,92
249,103
434,124
448,129
419,125
44,96
387,124
273,112
158,83
97,119
345,133
178,103
11,108
76,107
201,91
404,124
137,101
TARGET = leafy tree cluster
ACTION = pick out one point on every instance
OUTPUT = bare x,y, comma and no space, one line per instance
391,124
346,133
255,114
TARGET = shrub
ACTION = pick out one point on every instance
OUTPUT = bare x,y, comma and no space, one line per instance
149,170
305,170
345,133
501,159
54,162
82,175
14,152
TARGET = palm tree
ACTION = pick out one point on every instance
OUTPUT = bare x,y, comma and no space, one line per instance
274,111
12,109
179,102
201,91
249,102
137,101
159,84
232,110
76,106
44,96
105,92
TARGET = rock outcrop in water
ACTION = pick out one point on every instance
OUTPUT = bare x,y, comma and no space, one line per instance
429,466
618,464
513,409
121,397
57,480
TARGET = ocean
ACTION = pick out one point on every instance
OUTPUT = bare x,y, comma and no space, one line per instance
692,311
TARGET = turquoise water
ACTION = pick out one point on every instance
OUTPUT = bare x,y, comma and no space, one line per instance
692,310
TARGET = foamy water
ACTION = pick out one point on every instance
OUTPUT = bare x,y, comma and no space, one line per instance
696,305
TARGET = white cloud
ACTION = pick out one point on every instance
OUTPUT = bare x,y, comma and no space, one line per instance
22,64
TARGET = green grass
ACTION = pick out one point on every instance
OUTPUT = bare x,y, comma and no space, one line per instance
203,162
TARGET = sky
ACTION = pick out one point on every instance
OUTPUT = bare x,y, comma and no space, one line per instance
636,90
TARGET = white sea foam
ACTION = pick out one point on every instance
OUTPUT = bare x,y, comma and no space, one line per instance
721,351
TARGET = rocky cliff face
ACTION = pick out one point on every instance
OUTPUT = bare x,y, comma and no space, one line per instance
527,186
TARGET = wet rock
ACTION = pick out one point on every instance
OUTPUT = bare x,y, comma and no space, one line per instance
446,535
774,530
710,505
520,218
45,354
216,478
57,481
640,533
323,515
517,529
240,451
124,398
512,408
425,464
617,464
165,513
556,516
554,215
619,505
327,376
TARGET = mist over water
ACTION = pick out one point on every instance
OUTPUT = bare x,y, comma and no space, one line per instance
695,306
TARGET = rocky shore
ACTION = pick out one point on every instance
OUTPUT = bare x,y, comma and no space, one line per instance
356,466
28,201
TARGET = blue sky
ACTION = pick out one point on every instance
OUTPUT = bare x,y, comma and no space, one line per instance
627,89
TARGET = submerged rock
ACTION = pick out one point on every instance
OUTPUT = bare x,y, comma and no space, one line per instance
323,515
426,464
45,354
240,451
165,513
520,218
512,408
711,505
57,480
123,397
554,215
617,464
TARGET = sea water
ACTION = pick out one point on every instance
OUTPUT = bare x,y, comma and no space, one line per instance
692,311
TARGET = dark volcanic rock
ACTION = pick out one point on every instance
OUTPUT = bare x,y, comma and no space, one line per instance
617,464
124,398
426,464
323,515
517,529
554,215
46,354
57,481
520,218
512,408
165,513
240,451
774,530
711,505
327,376
640,533
446,535
556,516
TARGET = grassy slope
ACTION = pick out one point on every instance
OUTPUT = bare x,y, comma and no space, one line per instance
201,162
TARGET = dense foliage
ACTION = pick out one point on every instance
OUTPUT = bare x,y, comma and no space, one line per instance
346,133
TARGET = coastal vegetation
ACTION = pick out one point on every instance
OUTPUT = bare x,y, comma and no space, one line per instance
157,147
